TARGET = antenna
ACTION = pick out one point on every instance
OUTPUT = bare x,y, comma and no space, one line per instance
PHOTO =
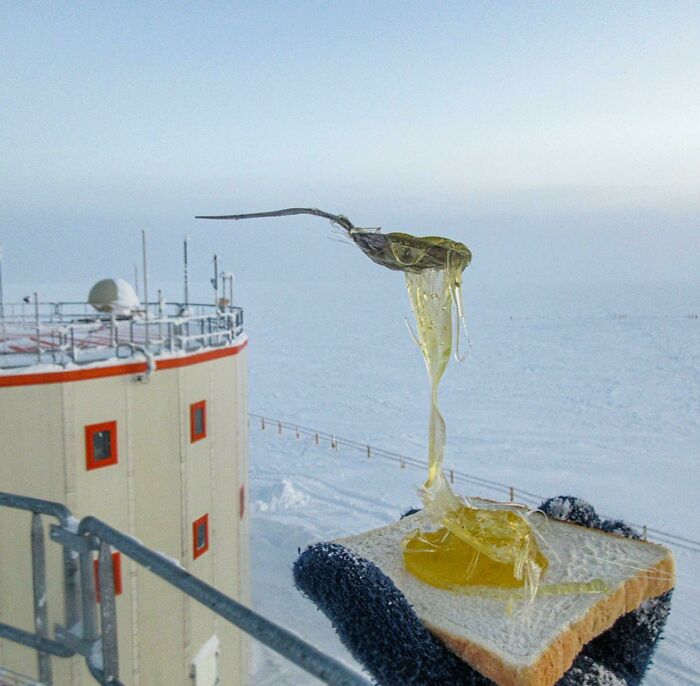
2,302
145,277
37,322
185,275
227,277
215,281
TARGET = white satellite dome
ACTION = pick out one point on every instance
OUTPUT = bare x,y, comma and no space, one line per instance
114,295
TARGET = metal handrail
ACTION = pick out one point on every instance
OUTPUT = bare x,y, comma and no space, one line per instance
55,333
279,639
82,637
60,310
40,640
10,678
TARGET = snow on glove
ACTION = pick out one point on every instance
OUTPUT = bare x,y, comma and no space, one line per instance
621,655
377,624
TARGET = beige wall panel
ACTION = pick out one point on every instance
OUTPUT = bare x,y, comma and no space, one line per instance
197,386
153,428
31,440
227,422
243,549
31,463
243,466
103,492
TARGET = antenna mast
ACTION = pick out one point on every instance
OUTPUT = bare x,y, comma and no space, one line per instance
145,277
215,281
185,275
2,301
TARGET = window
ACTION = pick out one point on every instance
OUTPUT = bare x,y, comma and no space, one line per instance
100,445
200,536
116,573
198,421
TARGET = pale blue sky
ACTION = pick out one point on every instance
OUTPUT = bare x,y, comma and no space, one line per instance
559,140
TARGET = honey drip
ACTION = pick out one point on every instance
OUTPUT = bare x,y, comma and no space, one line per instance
458,547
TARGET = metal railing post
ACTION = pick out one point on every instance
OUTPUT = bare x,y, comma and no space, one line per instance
108,614
41,615
87,596
71,588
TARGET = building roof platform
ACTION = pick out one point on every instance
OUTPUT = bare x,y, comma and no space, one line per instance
64,336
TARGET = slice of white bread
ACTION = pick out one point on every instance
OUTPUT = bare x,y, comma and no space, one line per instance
535,644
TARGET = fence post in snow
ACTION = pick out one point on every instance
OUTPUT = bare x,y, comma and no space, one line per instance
369,452
512,494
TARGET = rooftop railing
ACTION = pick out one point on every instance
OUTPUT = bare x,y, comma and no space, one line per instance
73,333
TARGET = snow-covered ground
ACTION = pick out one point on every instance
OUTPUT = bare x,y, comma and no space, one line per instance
588,392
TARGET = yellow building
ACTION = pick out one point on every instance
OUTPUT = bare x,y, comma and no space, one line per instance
139,420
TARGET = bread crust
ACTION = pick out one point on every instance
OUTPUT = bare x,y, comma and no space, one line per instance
554,662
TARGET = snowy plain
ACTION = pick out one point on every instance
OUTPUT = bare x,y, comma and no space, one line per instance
576,390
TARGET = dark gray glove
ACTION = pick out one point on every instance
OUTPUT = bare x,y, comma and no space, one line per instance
376,623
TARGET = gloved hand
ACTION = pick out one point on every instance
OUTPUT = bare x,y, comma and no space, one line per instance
376,623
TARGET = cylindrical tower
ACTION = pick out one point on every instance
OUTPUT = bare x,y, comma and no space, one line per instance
141,422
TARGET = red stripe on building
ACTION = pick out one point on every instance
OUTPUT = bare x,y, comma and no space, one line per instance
117,369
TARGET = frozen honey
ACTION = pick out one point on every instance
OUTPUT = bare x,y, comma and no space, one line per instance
476,547
460,547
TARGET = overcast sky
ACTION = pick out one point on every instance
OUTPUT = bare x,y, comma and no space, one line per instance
560,140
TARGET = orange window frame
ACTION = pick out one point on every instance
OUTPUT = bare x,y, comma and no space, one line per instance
91,462
194,436
200,550
116,573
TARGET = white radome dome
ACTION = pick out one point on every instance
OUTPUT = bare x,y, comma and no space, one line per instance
115,296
